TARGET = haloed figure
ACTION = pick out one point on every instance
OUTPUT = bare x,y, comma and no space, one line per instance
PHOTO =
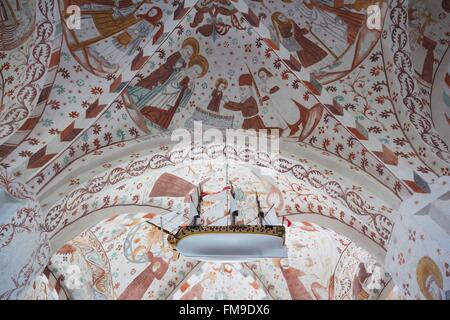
163,101
162,92
217,94
174,64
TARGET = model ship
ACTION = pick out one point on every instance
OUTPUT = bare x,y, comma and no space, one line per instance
216,230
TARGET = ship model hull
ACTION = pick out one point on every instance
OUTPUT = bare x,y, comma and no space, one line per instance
236,243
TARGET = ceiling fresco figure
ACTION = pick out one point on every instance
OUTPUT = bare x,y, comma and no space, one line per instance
217,95
137,288
421,18
170,87
111,32
247,105
213,10
294,39
333,35
165,100
346,24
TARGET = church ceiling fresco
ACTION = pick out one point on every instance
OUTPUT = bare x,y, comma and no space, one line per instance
28,68
315,125
428,34
78,96
419,258
293,186
20,231
329,39
41,289
368,102
276,89
85,116
123,258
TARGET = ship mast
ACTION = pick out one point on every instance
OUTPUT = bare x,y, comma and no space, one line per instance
260,212
226,180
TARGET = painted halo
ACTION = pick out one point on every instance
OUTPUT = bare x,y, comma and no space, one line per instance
426,267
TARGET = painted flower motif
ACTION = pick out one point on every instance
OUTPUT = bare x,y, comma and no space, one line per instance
412,235
65,56
406,289
96,90
74,182
120,134
59,89
107,114
74,114
401,259
170,42
47,122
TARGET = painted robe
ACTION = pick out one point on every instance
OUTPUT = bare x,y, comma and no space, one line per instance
427,69
297,289
137,288
249,109
216,98
294,39
352,20
159,95
277,100
163,73
195,292
166,99
110,34
342,24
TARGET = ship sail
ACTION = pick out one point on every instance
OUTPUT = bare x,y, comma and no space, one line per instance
194,207
215,209
193,214
212,214
169,222
271,217
233,205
